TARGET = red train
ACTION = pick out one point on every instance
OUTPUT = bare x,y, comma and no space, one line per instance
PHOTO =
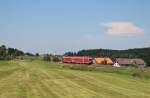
77,59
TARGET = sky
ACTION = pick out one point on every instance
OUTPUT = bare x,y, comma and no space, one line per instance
47,26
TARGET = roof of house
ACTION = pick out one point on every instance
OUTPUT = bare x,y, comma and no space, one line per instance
123,61
138,61
126,61
100,60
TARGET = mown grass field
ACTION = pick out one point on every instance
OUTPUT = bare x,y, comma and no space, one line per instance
39,79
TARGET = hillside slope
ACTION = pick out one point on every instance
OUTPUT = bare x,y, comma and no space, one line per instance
37,79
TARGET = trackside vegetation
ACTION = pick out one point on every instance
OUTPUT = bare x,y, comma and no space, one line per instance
130,71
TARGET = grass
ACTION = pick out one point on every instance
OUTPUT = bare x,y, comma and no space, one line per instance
130,71
39,79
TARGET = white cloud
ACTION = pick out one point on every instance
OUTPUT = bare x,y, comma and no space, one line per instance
122,29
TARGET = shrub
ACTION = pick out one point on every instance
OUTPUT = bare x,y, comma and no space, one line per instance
47,58
56,59
137,73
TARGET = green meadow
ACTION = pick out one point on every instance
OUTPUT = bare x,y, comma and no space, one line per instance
39,79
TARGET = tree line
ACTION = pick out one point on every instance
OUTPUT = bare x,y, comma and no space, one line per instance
143,53
11,53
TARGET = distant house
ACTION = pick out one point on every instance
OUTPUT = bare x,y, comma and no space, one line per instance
123,61
138,62
129,62
103,60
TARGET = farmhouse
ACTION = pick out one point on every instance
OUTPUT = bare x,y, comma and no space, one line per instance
103,60
123,61
129,62
138,62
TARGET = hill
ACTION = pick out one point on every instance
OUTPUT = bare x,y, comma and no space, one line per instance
143,53
39,79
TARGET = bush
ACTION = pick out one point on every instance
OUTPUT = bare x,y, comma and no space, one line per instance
56,59
137,73
37,54
47,58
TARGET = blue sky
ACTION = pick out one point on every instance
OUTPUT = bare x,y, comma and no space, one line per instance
47,26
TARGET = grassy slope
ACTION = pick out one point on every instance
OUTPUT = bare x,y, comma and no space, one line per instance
37,79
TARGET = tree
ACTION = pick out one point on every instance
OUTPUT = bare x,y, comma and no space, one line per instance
37,54
3,52
11,51
29,54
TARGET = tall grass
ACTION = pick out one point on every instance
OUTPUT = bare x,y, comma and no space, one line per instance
131,71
